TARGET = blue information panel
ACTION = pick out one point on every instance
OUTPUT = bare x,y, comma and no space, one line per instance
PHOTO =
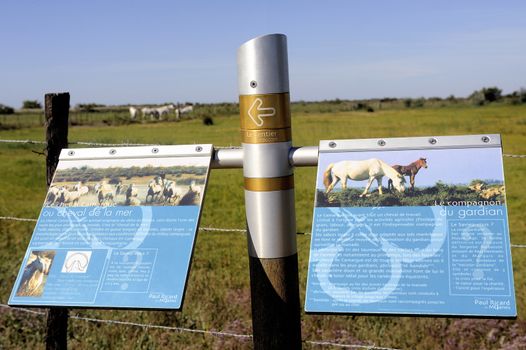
418,228
117,229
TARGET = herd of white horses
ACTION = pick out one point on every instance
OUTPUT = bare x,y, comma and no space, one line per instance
159,191
159,112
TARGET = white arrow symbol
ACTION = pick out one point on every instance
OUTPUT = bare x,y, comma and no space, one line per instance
257,113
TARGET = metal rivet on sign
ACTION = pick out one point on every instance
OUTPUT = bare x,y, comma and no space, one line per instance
332,144
198,149
381,143
71,153
432,140
485,139
253,84
113,151
155,150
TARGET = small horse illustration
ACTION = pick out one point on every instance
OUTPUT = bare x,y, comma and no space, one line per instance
409,170
359,170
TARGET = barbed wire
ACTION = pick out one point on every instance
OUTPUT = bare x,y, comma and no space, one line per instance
12,218
208,229
24,141
190,330
124,144
110,144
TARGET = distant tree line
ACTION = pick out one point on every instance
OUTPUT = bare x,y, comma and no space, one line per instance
86,173
481,97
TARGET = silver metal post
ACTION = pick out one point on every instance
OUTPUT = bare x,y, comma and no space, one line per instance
264,105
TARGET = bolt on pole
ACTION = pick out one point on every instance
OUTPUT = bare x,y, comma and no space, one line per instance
264,105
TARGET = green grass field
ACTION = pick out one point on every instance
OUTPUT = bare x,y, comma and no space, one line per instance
218,296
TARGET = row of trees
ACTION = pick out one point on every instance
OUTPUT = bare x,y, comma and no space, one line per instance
480,97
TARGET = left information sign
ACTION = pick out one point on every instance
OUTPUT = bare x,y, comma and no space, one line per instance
117,229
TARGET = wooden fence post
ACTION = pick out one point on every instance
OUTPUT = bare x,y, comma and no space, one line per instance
56,125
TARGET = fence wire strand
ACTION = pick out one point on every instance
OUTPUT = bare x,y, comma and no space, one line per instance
124,144
190,330
205,229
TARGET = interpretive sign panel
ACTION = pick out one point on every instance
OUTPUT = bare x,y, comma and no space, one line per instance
117,229
413,226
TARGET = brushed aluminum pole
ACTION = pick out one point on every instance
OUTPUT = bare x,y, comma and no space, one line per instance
264,105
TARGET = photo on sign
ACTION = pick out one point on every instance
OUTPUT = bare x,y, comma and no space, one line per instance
116,183
35,273
453,177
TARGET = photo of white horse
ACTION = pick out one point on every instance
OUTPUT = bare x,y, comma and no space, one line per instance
35,274
359,170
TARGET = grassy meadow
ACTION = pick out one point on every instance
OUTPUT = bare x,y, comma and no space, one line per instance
218,294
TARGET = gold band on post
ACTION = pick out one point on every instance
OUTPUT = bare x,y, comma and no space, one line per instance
266,136
269,184
265,111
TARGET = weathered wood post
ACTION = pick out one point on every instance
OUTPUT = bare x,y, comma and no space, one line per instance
269,192
57,114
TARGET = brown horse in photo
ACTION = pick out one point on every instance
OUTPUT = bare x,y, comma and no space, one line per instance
409,170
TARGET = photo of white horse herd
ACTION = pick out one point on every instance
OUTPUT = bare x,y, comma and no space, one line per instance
159,190
159,112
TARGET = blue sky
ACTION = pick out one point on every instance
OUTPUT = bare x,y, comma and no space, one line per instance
451,166
117,52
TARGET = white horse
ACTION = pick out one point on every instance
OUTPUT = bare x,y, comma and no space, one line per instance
359,170
170,192
67,197
105,194
155,189
149,112
164,110
179,112
82,189
186,109
52,196
134,112
131,196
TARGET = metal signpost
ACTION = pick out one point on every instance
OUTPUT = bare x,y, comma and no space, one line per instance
420,252
264,105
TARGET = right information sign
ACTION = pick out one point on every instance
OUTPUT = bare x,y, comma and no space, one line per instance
411,226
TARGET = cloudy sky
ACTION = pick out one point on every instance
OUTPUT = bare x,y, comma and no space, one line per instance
117,52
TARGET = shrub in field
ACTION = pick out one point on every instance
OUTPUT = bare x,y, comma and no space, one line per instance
486,95
6,109
31,104
88,107
419,102
492,94
408,103
477,98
